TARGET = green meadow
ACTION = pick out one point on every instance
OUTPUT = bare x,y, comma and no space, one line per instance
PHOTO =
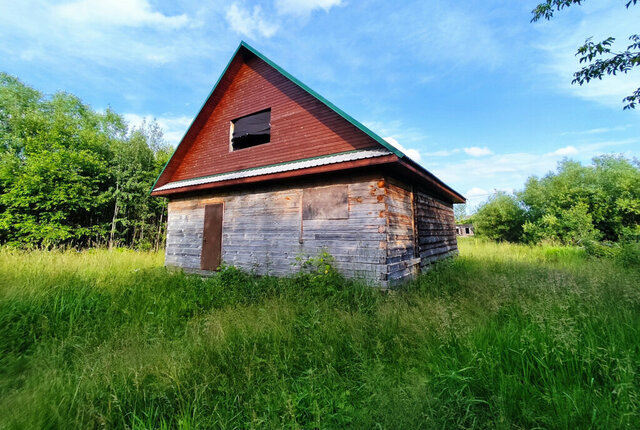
504,336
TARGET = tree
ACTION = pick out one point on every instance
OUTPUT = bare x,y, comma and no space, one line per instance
577,203
72,176
135,165
500,218
460,212
54,167
600,58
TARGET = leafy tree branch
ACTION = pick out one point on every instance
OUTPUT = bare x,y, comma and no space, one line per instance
599,58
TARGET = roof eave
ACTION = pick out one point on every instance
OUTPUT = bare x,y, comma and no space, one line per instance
430,178
348,165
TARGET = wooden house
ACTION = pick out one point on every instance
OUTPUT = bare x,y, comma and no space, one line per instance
269,171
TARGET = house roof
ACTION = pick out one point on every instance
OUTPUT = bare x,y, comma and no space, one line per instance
302,164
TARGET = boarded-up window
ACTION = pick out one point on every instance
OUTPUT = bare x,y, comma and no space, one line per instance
325,203
251,130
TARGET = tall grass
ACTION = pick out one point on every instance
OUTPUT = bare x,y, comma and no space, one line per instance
504,336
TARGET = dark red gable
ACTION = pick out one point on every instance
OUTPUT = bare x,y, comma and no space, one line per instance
303,125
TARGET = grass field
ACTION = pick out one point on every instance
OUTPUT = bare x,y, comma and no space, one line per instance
504,336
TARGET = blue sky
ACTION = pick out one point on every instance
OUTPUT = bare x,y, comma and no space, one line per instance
471,89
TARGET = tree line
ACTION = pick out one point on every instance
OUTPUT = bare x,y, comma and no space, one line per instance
575,205
74,176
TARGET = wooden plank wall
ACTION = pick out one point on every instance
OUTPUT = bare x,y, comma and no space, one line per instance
436,228
391,233
185,224
402,261
262,230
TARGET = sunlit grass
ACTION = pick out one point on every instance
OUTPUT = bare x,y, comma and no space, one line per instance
504,336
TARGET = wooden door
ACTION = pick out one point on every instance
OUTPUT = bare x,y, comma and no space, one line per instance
212,237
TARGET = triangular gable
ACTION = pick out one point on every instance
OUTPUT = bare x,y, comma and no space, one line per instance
225,81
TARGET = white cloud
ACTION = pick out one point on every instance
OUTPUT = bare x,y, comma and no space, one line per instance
567,150
304,7
82,35
249,24
128,13
508,171
476,151
173,127
595,147
414,154
477,192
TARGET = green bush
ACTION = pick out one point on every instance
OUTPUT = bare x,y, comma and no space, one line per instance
629,255
500,218
576,205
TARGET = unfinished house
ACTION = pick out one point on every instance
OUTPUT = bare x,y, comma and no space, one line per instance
269,171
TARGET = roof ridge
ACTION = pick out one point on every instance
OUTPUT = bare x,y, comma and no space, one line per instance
326,102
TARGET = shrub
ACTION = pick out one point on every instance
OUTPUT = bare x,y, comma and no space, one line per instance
500,218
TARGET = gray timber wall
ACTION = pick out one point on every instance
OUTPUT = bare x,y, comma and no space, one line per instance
391,233
263,230
402,258
436,228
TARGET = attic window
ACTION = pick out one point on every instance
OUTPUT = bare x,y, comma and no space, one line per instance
251,130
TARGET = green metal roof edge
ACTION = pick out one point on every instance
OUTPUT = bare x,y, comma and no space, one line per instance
330,105
299,83
317,157
197,115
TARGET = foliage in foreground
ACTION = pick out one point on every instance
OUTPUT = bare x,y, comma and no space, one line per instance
576,205
503,336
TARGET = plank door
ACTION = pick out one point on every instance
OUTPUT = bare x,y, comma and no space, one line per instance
212,237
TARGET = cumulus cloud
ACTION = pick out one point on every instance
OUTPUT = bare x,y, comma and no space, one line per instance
79,35
476,151
414,154
304,7
250,23
567,150
508,171
476,192
127,13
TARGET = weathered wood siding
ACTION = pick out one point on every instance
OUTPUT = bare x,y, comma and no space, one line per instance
401,252
392,230
436,228
262,231
421,230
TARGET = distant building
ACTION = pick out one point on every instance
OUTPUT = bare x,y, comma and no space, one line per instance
464,230
270,171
